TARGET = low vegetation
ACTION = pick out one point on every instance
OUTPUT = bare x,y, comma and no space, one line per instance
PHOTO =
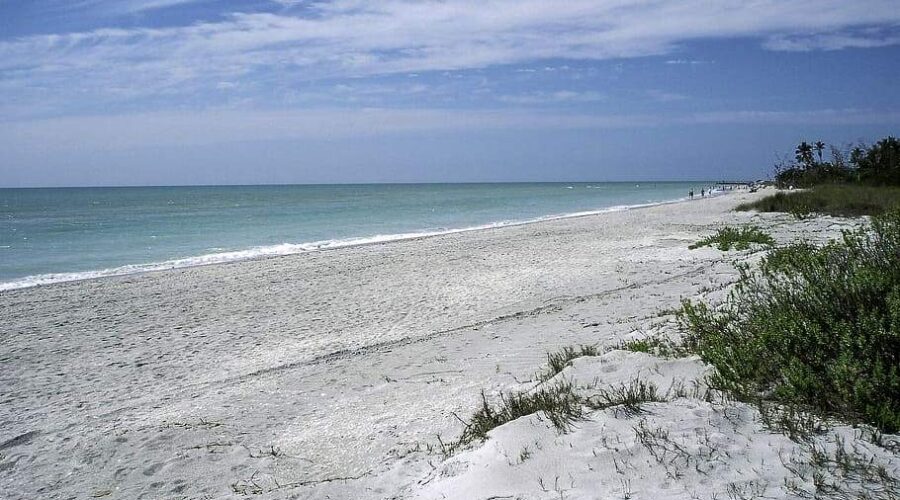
558,361
740,238
646,346
626,399
838,471
837,200
813,328
657,346
559,402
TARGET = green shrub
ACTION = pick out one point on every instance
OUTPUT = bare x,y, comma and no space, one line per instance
878,164
638,345
738,238
835,200
813,326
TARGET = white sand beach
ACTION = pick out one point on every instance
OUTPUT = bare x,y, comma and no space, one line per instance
331,374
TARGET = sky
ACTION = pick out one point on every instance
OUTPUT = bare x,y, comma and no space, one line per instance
170,92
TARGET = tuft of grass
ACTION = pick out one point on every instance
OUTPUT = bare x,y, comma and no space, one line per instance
558,361
813,328
741,238
838,200
640,345
559,402
657,346
626,398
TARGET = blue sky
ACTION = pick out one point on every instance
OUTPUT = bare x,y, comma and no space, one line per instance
131,92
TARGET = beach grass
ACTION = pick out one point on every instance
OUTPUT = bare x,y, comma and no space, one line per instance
838,200
839,470
559,402
645,346
626,398
738,238
657,346
813,328
559,360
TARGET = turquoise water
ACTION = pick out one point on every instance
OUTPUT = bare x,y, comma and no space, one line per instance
61,234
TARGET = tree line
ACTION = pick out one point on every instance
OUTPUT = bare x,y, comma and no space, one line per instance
877,164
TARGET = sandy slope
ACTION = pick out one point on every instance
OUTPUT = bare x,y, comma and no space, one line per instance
329,374
683,448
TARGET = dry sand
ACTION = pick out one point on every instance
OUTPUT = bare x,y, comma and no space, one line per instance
330,374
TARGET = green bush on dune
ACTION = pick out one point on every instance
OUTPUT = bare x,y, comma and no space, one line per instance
813,327
741,238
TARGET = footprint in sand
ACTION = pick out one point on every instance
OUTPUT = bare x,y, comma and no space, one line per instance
19,440
121,473
153,469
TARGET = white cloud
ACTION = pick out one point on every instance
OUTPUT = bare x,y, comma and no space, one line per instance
145,5
692,62
349,38
831,41
558,97
113,7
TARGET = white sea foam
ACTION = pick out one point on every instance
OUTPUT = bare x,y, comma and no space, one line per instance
289,249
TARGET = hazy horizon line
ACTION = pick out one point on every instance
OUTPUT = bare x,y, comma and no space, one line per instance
376,183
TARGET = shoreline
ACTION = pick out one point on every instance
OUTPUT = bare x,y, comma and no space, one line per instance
289,249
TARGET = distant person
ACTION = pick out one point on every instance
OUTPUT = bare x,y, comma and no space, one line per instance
691,194
703,192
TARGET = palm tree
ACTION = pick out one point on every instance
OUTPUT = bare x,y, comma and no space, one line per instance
820,146
803,153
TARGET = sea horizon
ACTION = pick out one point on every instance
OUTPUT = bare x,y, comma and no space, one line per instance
375,183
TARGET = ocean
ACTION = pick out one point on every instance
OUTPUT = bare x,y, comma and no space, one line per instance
64,234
